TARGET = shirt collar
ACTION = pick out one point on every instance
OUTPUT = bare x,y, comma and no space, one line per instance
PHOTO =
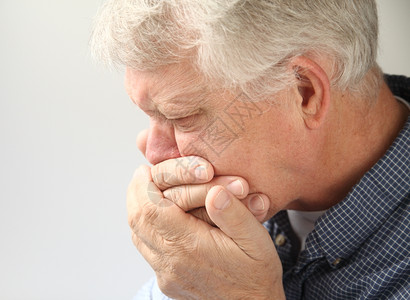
347,225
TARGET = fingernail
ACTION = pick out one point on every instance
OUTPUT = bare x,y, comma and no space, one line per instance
235,187
222,200
257,203
201,173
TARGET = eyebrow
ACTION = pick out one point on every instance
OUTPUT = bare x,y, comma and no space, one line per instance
182,105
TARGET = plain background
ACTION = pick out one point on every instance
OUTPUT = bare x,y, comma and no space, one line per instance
67,152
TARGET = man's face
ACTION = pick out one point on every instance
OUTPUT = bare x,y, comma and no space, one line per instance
258,141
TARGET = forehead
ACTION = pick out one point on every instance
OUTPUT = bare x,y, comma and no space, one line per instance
166,89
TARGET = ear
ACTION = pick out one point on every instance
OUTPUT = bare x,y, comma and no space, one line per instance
313,91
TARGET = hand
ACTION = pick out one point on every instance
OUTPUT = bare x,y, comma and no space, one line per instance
179,182
195,260
187,180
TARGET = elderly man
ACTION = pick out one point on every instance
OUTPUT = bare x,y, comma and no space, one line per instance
264,111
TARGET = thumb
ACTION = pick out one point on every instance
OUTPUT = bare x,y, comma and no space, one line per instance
237,222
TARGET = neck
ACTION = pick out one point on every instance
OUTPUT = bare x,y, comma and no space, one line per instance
360,136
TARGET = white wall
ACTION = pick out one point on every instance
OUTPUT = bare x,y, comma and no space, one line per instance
67,151
394,55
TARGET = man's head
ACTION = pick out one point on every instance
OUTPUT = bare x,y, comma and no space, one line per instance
240,44
248,85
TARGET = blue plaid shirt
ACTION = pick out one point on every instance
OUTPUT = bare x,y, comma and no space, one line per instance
359,249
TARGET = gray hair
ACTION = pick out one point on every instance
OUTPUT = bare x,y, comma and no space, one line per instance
242,44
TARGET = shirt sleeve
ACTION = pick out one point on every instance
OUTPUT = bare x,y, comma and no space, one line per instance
150,291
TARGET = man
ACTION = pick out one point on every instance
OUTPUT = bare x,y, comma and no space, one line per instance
269,111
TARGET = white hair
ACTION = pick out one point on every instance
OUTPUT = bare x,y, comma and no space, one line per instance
243,44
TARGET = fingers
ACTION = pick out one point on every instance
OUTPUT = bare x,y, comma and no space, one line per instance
192,197
189,197
181,171
143,197
258,205
251,202
140,181
201,214
237,222
150,213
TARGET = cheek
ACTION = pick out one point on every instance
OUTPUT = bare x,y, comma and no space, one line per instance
193,144
221,152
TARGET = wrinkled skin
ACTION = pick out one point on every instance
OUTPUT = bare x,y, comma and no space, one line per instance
304,152
184,250
199,246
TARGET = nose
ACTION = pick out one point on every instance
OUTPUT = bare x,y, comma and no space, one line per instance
161,144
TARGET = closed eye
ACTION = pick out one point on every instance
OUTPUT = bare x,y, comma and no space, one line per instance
186,123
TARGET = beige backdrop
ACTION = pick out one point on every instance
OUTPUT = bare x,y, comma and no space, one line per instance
67,151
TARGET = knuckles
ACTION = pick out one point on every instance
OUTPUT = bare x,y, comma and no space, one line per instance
179,171
180,255
175,194
142,215
202,214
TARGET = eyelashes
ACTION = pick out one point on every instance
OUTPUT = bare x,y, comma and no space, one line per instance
185,123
